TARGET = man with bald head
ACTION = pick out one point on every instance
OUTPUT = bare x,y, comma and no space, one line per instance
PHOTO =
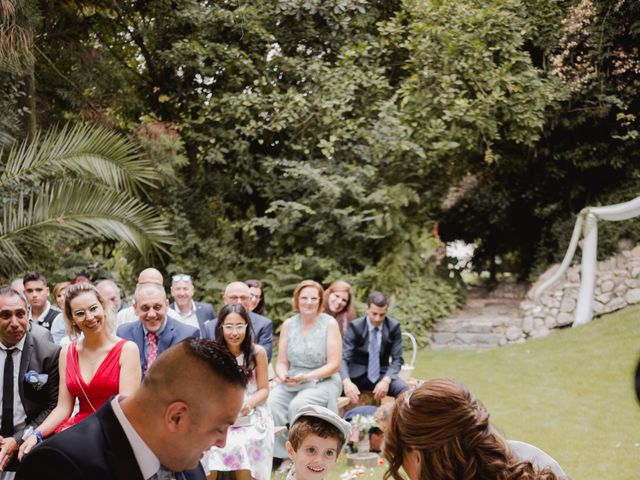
155,331
238,292
185,405
148,275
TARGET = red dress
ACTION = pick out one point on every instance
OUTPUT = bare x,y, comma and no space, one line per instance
104,384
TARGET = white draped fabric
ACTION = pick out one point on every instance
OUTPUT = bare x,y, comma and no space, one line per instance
587,223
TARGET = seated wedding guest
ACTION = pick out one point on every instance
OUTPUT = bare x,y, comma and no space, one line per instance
155,331
29,361
36,292
316,438
338,302
309,352
188,311
92,368
261,327
256,293
148,275
440,430
111,292
58,294
185,405
249,449
367,346
59,326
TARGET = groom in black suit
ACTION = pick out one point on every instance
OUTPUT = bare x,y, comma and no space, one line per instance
189,398
28,356
367,345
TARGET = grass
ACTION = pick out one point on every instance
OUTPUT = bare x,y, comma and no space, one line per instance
570,394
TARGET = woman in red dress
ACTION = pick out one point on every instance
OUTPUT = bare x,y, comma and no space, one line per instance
93,368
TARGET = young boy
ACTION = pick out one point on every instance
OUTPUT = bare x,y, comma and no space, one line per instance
316,437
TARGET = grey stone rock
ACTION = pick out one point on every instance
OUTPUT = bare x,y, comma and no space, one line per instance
550,321
479,338
537,323
443,337
615,304
564,319
635,271
604,298
636,251
514,333
620,290
607,285
573,276
477,326
568,305
633,296
631,283
527,324
502,341
540,332
598,308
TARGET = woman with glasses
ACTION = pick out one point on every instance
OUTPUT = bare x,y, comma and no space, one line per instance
338,302
440,430
92,368
309,355
249,447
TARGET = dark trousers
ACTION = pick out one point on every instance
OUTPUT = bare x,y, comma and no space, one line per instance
396,387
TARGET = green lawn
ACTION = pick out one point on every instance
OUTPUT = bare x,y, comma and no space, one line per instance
570,394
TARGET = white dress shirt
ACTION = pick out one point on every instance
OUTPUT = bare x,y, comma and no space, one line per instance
19,415
147,460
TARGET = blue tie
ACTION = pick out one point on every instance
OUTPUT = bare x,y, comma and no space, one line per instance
373,370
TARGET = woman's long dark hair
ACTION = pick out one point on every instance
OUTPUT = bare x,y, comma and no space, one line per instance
246,346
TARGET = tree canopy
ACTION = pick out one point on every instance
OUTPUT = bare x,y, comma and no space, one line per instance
350,138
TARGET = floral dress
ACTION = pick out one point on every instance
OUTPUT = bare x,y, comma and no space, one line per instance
249,447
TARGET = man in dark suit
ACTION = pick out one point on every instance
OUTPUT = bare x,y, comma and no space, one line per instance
36,292
154,332
238,292
29,355
185,405
366,347
192,313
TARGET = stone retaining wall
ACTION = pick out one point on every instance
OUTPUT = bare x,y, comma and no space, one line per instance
617,285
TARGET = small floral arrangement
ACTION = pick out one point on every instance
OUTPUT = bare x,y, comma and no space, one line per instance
35,379
363,423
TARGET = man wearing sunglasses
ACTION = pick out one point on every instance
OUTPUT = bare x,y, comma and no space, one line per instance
190,312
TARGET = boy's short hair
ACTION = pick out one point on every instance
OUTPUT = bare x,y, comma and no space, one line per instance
306,424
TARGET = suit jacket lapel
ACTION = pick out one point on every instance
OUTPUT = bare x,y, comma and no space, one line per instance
27,351
118,451
138,338
166,337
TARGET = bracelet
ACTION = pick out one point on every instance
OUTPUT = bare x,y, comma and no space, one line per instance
38,435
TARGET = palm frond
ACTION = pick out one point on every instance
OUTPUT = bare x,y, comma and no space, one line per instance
82,209
85,150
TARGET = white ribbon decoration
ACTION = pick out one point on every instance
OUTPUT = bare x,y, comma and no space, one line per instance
589,216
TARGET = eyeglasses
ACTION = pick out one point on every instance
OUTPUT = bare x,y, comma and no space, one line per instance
80,314
180,278
238,327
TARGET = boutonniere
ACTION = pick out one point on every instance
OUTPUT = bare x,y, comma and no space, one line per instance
35,379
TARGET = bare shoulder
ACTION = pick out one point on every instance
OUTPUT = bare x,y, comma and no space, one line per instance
130,348
259,350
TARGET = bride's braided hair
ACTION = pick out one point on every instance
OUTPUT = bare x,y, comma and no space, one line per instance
450,428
